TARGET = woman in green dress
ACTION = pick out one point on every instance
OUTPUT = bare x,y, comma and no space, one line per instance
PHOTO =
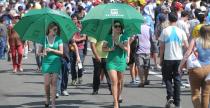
52,50
117,46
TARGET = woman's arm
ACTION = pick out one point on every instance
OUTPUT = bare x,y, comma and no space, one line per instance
131,39
187,54
125,45
59,51
77,52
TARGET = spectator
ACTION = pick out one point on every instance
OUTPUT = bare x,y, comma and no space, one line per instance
99,63
16,46
3,39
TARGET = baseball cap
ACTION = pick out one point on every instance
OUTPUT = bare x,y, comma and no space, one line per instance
203,9
178,5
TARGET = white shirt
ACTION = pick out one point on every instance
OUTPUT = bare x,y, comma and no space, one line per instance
173,38
183,25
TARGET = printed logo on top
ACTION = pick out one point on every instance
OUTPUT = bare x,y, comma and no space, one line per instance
114,12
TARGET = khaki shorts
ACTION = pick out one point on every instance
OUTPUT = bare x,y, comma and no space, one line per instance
142,60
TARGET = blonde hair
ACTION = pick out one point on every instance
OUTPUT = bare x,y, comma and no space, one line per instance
205,36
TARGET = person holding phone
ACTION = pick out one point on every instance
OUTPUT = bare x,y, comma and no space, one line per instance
52,51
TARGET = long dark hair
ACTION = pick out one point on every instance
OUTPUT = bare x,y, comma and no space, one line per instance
116,21
51,25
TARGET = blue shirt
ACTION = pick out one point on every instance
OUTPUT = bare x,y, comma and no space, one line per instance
203,54
149,22
208,18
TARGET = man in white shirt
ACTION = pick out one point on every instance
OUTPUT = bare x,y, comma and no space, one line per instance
182,23
172,40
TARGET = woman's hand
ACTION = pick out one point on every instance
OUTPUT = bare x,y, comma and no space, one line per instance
127,59
78,60
179,69
121,45
49,49
111,49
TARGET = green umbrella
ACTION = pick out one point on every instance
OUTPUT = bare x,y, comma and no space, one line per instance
33,25
97,23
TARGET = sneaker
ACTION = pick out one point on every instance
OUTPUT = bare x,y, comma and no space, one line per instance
147,82
182,85
30,50
57,95
65,93
137,80
120,99
157,66
74,82
84,71
80,81
14,70
20,69
38,70
169,103
163,84
102,82
25,57
95,93
133,82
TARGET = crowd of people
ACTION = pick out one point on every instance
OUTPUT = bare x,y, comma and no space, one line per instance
168,28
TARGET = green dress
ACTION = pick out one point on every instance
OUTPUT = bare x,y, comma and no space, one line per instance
51,63
116,59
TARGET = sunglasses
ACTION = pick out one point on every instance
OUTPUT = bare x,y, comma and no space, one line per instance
55,29
117,26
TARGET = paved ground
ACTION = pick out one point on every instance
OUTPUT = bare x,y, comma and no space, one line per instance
25,90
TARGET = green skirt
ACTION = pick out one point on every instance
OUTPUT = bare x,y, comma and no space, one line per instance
120,67
51,68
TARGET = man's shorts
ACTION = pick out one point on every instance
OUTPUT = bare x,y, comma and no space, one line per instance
142,60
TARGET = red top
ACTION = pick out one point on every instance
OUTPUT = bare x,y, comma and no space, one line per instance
14,39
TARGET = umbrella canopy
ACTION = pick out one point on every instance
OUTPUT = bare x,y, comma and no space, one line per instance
97,23
33,25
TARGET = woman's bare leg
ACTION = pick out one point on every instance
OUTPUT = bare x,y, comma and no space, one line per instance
53,90
47,87
114,79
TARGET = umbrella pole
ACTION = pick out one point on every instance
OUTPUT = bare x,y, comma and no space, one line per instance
45,38
112,33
